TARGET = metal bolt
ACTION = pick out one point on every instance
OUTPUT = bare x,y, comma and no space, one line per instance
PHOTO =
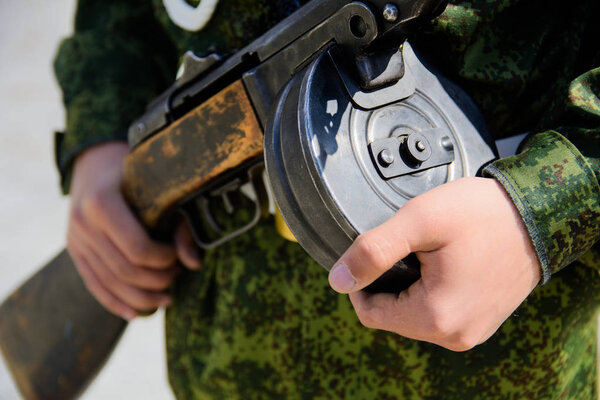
447,144
385,158
418,148
140,127
390,12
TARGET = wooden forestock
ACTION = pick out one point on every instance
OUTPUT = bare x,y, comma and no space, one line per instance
220,134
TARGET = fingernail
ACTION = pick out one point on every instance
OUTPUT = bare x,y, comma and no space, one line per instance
341,279
129,315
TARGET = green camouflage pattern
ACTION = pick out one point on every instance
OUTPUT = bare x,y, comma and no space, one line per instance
260,321
529,65
557,193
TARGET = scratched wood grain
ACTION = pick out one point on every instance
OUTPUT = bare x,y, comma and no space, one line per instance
218,135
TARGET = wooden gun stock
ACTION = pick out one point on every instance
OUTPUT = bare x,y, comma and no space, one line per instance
54,335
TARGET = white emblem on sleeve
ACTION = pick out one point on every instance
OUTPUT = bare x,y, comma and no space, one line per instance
190,18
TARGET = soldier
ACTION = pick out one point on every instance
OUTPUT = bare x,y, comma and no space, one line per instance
257,318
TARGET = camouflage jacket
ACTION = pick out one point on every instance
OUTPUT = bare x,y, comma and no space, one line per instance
259,320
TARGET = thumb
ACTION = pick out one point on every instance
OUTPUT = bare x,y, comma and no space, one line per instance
377,250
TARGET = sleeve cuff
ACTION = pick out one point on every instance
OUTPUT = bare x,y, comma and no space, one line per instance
64,158
557,194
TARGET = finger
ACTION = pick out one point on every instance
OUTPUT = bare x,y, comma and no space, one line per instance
137,276
186,248
416,314
102,295
117,221
141,277
404,314
139,299
377,250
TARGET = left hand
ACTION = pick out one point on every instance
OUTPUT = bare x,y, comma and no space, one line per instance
477,265
121,265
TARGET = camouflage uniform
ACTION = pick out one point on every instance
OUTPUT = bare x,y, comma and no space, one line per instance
259,320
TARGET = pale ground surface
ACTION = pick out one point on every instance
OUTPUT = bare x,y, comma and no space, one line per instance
32,211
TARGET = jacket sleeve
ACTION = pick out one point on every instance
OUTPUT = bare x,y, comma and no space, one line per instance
554,180
116,61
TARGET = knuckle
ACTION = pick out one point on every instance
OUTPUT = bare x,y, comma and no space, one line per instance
92,286
452,334
96,290
413,206
462,341
162,283
127,272
109,280
369,317
95,204
112,305
441,324
421,213
138,251
149,280
369,251
366,320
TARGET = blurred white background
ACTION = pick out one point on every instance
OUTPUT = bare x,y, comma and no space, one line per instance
33,213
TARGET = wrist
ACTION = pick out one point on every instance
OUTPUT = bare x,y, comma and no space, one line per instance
98,166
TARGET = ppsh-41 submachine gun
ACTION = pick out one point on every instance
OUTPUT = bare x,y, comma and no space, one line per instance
333,102
352,121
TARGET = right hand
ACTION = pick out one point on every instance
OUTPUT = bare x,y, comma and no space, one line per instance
477,260
125,270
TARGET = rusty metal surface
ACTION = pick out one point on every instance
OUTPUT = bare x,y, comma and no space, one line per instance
218,135
55,357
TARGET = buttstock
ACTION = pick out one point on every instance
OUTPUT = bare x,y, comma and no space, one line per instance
54,335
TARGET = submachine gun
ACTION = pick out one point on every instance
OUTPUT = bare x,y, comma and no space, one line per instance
334,103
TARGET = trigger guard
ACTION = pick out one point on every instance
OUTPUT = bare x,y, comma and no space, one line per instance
195,215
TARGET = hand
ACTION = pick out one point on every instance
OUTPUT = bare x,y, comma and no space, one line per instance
477,265
120,264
